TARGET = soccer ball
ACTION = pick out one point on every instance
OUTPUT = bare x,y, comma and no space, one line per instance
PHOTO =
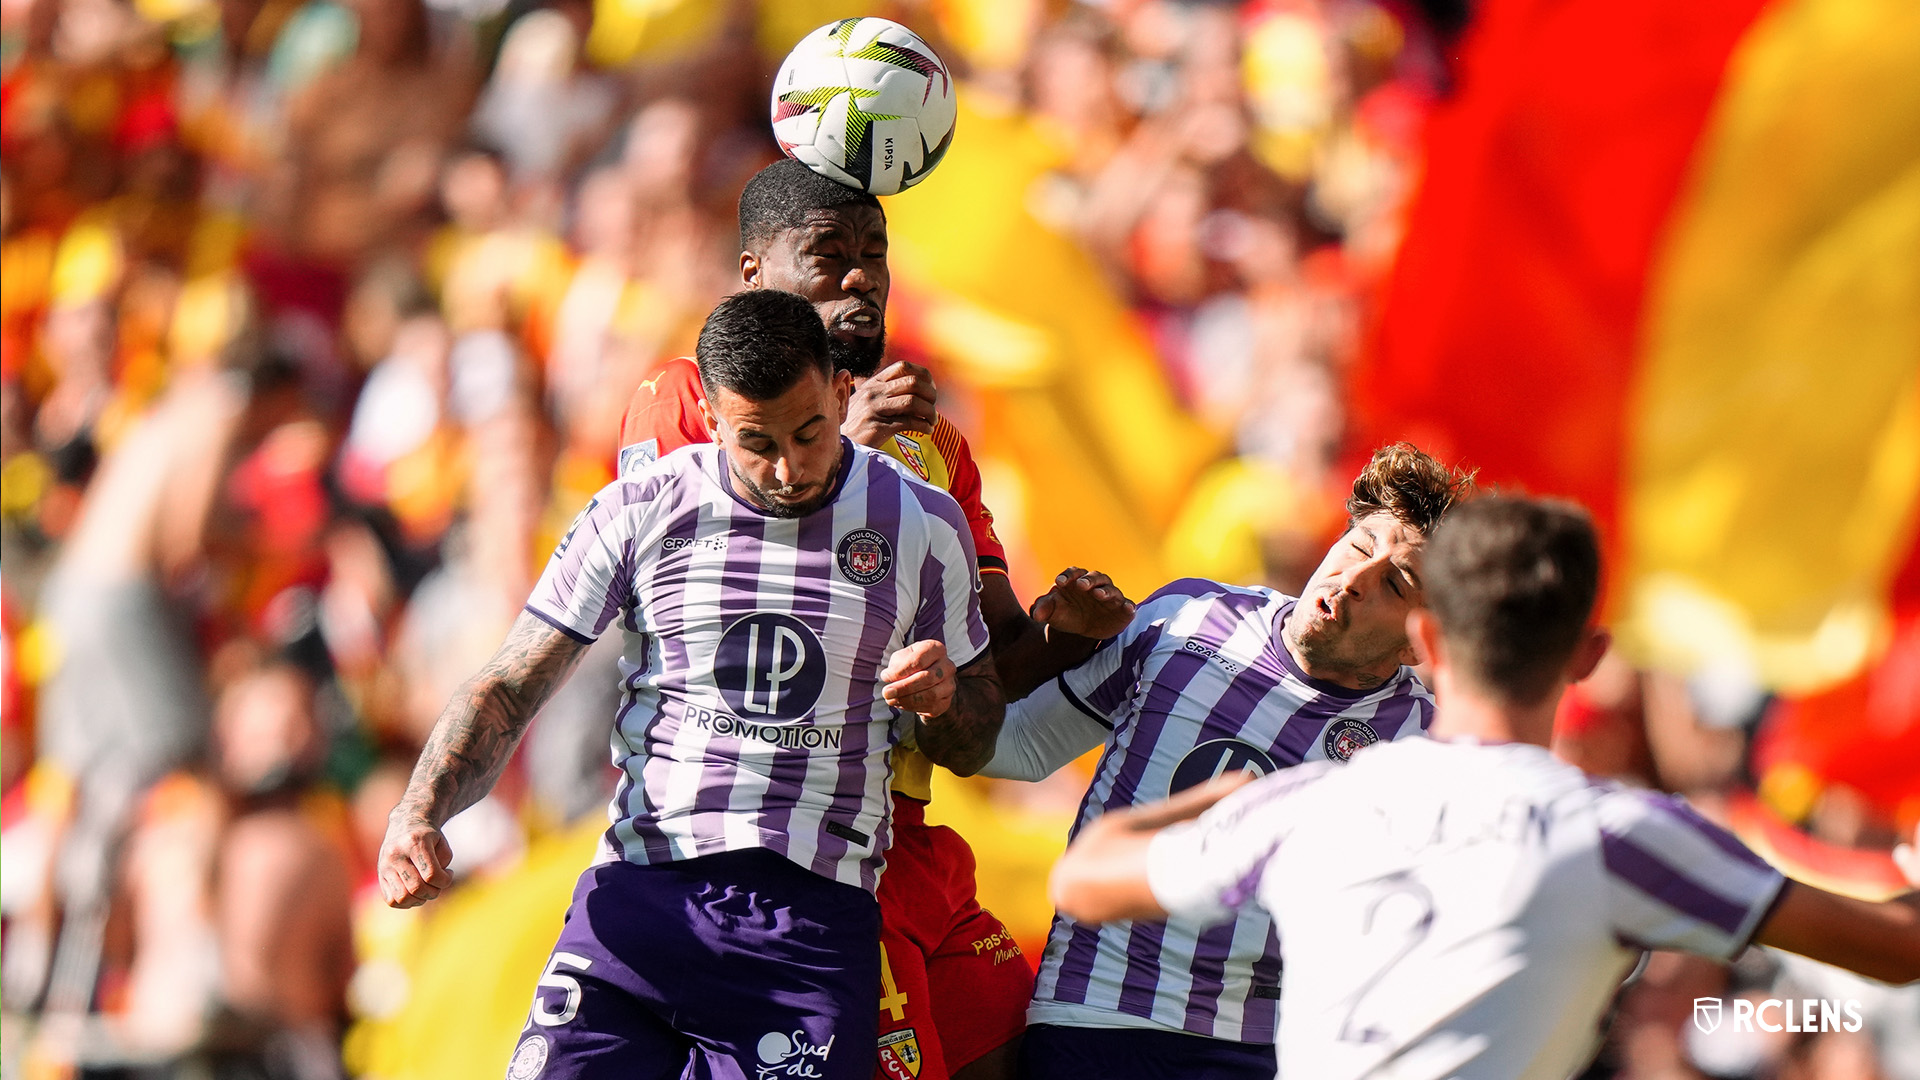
864,102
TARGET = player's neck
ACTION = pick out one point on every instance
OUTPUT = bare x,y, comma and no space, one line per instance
1466,712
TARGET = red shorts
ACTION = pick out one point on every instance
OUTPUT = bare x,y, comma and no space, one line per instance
953,983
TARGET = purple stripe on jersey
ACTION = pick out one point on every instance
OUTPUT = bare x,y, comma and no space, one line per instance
1258,1020
1303,728
1209,976
1142,982
1392,713
1677,808
882,611
1113,690
739,596
931,619
1243,695
667,586
1076,967
1644,871
812,596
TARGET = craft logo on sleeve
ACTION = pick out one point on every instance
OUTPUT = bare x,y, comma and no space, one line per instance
1808,1015
865,557
1218,757
1348,737
770,668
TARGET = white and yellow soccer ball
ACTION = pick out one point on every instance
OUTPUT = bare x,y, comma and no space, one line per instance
864,102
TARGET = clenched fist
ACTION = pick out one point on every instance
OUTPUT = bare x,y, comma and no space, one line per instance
414,861
919,678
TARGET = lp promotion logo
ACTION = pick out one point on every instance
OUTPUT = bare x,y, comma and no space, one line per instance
1775,1014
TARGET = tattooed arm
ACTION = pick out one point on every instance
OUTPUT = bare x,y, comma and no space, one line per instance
463,757
957,711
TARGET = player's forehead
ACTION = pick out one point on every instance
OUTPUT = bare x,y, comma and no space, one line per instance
1382,527
801,405
848,221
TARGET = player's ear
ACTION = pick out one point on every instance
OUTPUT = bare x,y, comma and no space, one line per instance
842,392
707,417
1586,656
750,269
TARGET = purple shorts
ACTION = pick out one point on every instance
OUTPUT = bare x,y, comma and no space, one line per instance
739,965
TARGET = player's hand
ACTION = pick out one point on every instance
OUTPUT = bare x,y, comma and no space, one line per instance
900,397
1907,857
1084,602
413,861
920,678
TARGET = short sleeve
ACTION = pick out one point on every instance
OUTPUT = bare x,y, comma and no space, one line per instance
1208,868
1675,880
662,416
589,579
949,607
1102,686
963,483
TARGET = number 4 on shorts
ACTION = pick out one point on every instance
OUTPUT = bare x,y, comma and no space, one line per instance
555,979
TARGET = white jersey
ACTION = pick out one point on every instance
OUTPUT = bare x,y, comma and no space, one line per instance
1198,684
751,714
1453,910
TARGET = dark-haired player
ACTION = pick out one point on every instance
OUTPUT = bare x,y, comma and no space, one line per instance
1466,906
786,599
948,1006
1211,679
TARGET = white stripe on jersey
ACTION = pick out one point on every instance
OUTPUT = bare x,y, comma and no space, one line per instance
1199,683
751,715
1451,910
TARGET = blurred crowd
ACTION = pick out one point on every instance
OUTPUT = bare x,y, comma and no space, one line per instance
318,318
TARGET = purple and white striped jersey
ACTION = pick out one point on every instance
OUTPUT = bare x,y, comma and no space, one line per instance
1197,685
751,714
1451,909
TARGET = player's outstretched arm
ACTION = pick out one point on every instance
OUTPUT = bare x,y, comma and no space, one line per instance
1083,608
1103,876
470,745
1880,941
957,711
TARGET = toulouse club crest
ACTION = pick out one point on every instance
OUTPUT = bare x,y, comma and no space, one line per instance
865,557
1348,737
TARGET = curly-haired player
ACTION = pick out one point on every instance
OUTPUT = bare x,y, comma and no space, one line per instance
1211,679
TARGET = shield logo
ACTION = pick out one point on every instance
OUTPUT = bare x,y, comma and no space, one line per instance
900,1054
1706,1014
1347,737
865,556
908,454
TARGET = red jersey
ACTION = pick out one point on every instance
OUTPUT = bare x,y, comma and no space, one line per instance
664,415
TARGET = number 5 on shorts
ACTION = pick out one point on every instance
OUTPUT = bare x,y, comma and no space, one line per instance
555,979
